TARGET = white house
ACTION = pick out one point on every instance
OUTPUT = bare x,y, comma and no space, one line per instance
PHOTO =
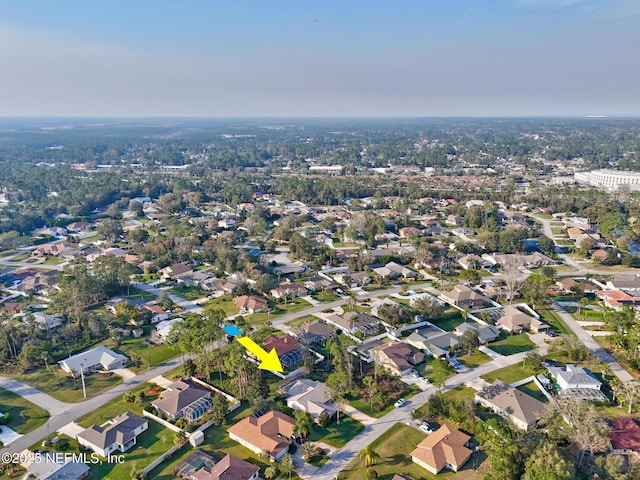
120,435
96,359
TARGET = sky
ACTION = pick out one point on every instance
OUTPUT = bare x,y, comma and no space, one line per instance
297,58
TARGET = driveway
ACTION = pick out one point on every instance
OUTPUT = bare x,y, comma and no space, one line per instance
41,399
124,373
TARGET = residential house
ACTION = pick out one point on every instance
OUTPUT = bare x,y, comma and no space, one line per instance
77,227
49,249
516,321
250,303
395,270
406,232
229,468
227,222
183,400
47,468
485,333
288,290
47,321
571,376
288,349
455,220
624,436
354,322
434,341
444,448
316,332
163,329
94,360
464,297
471,262
271,432
520,408
617,299
120,435
577,383
396,357
158,314
316,284
174,272
312,397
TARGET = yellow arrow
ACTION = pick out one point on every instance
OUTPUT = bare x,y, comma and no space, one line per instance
269,361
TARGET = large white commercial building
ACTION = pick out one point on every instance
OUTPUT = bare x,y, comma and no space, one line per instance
610,180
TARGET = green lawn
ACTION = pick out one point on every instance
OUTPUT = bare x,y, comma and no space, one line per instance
510,374
512,344
450,320
364,406
61,386
191,293
556,323
150,445
476,359
21,258
24,416
52,261
394,448
278,310
150,355
217,443
337,435
459,393
224,303
532,389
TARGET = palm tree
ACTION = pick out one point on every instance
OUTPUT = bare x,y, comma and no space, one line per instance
304,425
370,456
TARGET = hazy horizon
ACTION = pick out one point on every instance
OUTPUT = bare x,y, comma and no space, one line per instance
360,59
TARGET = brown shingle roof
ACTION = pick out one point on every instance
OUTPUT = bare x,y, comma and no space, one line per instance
625,434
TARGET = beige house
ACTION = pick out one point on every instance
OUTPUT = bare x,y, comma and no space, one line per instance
396,357
444,448
269,433
521,409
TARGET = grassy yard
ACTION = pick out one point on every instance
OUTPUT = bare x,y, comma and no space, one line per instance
21,258
52,261
217,443
337,435
61,386
190,293
532,389
459,393
364,406
150,355
278,310
150,445
450,320
394,448
224,303
476,359
512,344
300,321
556,323
24,416
116,407
510,374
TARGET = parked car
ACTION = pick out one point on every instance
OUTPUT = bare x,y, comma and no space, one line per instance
426,427
400,402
